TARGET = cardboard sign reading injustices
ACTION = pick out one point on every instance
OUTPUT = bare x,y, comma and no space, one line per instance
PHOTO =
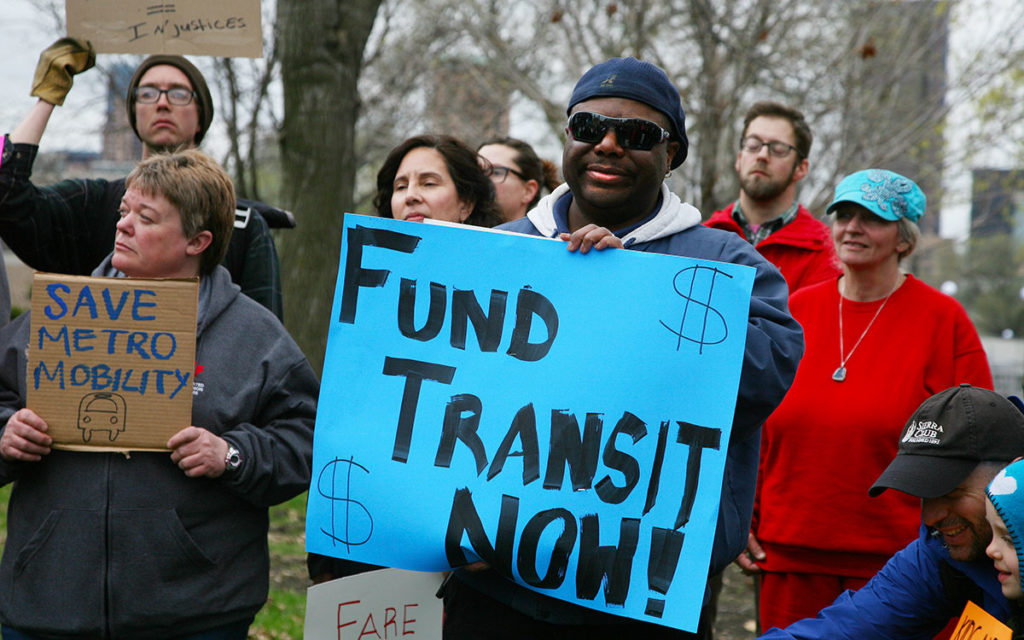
226,28
111,360
563,416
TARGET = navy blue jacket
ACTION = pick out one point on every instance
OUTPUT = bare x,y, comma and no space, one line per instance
773,349
913,597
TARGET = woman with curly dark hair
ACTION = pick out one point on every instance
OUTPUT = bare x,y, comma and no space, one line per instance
437,177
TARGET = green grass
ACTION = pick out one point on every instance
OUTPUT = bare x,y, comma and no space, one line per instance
284,614
5,493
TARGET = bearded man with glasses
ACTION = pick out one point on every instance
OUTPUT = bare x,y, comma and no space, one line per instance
65,227
626,131
771,160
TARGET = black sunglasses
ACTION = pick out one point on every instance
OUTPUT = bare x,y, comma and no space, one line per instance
631,133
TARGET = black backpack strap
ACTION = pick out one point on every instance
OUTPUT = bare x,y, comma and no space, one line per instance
276,218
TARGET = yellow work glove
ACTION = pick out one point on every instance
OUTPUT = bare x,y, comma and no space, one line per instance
57,64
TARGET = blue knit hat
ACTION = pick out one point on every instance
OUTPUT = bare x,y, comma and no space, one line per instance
1006,491
640,81
884,193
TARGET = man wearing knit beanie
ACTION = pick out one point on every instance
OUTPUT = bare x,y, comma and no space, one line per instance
158,118
626,131
68,227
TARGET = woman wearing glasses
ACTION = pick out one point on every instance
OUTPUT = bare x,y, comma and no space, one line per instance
436,177
519,175
878,343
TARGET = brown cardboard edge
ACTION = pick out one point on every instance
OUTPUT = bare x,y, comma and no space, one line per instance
89,449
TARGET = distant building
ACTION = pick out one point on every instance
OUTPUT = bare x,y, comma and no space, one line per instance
997,203
899,68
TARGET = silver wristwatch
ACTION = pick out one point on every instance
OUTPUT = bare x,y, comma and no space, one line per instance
233,459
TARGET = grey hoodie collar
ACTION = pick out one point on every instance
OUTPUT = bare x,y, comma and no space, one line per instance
673,216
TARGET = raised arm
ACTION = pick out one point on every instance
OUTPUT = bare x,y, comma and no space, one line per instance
55,71
30,130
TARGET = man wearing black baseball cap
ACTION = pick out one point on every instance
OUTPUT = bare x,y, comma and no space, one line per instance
951,448
68,227
626,131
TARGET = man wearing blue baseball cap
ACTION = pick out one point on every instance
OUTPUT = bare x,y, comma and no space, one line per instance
950,449
626,131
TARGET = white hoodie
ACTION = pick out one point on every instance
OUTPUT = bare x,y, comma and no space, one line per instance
673,216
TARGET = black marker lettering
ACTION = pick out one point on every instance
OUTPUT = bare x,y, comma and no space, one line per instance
356,276
568,447
524,426
415,373
407,311
528,304
635,428
463,427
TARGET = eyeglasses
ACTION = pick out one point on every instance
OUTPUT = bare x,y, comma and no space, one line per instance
179,96
499,173
778,148
631,133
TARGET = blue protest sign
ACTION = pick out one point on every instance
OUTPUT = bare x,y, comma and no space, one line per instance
563,417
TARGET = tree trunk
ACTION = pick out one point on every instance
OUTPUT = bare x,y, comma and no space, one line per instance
321,44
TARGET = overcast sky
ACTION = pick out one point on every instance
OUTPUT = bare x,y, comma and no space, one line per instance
26,30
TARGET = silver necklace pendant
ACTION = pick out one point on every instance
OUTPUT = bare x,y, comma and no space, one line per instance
840,374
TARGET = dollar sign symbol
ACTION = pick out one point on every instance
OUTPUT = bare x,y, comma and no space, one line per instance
698,330
330,473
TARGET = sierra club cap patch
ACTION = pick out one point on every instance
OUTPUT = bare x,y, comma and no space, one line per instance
924,432
946,438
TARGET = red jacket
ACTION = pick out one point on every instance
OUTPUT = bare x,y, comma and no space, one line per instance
802,250
828,441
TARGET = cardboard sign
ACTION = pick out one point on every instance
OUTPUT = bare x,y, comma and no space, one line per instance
226,28
110,360
978,624
564,417
389,603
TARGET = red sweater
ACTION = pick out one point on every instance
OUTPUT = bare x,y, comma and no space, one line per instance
802,250
828,441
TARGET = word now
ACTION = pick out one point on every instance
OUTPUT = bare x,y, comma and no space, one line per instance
610,565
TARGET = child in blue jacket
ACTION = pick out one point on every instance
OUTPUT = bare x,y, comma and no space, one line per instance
1005,512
